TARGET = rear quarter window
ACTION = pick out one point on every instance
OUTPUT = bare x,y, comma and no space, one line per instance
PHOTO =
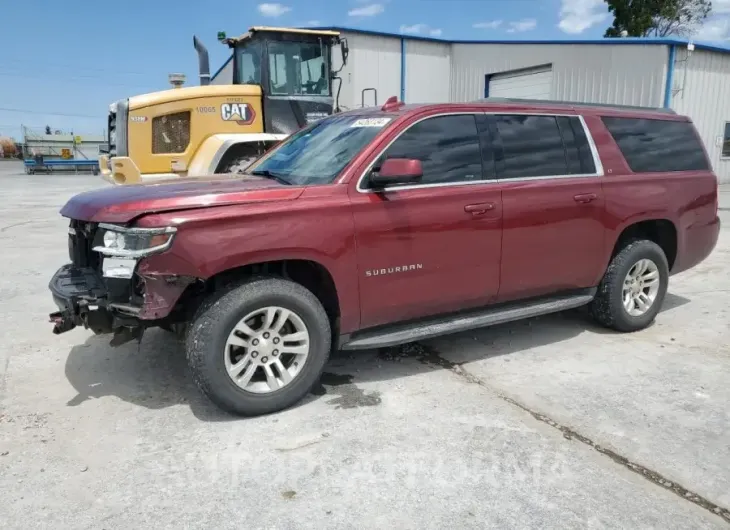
651,145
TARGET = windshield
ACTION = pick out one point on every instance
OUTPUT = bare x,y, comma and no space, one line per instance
248,57
317,153
297,68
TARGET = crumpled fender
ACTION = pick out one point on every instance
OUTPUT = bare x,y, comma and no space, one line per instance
161,293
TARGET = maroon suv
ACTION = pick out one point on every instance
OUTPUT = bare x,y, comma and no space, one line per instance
379,227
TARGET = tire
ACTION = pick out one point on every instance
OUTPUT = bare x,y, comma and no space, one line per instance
208,351
608,306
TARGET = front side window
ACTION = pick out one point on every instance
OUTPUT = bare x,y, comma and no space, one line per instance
298,68
319,152
447,146
651,145
248,58
726,141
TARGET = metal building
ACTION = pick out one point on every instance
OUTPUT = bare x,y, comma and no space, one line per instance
693,80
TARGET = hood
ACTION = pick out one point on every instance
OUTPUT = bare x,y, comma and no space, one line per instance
121,204
174,95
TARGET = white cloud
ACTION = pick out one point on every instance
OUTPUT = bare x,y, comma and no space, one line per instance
313,23
273,10
717,29
519,26
418,29
492,24
414,29
576,16
367,11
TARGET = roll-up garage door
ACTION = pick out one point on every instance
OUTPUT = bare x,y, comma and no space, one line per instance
532,83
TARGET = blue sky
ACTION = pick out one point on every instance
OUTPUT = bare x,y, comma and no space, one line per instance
73,58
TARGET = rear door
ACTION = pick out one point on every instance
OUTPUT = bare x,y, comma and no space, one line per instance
433,247
553,204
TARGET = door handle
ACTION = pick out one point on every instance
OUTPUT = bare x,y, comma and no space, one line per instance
479,209
585,197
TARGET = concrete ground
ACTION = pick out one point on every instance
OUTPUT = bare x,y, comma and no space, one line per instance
551,422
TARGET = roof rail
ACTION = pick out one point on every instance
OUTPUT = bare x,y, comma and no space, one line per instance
572,103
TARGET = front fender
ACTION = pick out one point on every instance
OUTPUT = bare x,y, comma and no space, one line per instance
211,151
211,241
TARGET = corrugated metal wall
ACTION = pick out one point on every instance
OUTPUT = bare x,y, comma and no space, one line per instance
625,74
428,72
374,62
705,97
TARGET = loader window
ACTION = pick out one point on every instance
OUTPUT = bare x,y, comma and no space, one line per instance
249,63
299,68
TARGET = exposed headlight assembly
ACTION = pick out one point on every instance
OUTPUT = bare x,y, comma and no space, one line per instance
134,242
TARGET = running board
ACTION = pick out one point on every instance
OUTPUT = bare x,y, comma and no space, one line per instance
489,316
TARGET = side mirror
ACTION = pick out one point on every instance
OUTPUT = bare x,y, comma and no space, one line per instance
397,171
345,49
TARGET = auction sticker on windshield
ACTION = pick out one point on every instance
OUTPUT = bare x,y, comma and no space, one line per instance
371,122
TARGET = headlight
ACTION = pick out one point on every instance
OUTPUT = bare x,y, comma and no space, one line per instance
114,240
134,242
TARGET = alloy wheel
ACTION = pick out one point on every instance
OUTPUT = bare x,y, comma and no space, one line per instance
266,350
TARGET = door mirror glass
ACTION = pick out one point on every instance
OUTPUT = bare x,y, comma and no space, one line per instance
397,171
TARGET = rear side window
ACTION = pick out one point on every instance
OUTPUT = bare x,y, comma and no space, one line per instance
577,149
657,145
531,146
542,146
447,146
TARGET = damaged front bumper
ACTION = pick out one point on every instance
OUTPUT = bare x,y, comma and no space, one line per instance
114,284
82,298
125,307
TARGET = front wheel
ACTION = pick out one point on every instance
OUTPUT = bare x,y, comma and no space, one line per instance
259,347
632,291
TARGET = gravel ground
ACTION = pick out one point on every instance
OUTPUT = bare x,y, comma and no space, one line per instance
551,422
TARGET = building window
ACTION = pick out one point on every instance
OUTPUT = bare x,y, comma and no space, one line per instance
726,141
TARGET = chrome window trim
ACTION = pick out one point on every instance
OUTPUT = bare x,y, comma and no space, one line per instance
594,152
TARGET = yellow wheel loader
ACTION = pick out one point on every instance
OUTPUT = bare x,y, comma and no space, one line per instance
276,81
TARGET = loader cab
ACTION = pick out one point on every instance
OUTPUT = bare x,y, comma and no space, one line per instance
294,70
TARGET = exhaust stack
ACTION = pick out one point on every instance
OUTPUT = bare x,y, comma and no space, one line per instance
203,62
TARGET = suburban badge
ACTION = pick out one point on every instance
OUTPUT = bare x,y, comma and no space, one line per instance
394,270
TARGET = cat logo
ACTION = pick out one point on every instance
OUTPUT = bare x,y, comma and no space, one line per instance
241,113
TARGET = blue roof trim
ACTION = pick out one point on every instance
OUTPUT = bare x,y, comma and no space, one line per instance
606,41
221,68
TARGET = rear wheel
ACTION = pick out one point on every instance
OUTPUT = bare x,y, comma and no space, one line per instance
632,290
259,347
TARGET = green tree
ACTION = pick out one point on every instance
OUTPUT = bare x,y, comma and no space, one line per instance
657,18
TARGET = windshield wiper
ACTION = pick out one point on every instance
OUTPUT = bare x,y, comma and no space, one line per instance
269,175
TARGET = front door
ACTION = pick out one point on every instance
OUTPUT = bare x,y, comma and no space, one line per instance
553,205
435,246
